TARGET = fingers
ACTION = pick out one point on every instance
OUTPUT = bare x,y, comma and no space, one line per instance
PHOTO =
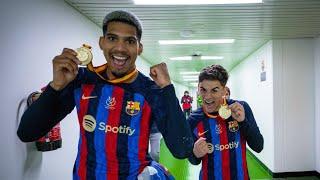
66,64
67,50
237,111
201,143
158,67
236,107
200,147
71,54
67,60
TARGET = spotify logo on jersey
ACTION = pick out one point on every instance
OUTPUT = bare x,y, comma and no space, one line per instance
89,123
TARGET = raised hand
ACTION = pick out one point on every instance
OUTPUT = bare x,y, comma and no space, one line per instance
65,68
237,111
159,73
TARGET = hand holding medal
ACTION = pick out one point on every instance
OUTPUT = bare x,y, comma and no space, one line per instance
238,112
84,54
224,110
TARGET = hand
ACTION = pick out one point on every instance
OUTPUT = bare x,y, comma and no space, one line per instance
159,73
200,147
65,69
237,111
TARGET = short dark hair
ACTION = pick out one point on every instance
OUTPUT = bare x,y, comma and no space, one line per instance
125,17
228,90
214,72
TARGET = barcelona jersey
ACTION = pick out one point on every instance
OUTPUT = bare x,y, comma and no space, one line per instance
115,122
226,140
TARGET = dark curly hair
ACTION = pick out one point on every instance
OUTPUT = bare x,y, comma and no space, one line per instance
125,17
214,72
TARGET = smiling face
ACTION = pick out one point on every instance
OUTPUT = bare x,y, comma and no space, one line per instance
212,93
120,46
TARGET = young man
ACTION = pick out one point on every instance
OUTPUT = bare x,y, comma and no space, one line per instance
116,106
186,101
228,93
221,143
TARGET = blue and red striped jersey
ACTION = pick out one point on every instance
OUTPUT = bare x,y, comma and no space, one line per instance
226,140
114,132
115,122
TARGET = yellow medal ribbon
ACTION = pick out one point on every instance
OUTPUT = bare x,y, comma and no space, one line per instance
125,79
224,105
209,115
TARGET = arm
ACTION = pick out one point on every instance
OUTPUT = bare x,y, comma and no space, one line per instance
55,102
250,130
192,158
44,114
173,126
172,123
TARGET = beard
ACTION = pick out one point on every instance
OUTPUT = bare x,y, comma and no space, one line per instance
118,74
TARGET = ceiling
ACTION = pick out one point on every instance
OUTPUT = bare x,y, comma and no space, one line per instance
251,25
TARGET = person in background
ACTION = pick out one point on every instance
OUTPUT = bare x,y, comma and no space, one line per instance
228,93
116,106
220,139
186,102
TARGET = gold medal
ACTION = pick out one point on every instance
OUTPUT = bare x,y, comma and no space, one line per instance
84,54
224,110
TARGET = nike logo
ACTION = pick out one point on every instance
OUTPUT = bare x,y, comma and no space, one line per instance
200,134
88,97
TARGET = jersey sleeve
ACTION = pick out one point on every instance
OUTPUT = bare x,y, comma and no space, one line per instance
250,130
49,109
192,124
172,123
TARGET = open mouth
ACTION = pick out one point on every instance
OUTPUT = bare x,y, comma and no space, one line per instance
209,103
119,61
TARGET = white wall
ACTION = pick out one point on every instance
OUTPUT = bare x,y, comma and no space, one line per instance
32,33
294,105
317,102
245,84
284,104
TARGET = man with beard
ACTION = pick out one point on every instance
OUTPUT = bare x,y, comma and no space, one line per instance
116,105
221,128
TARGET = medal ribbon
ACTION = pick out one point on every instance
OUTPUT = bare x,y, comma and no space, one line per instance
125,79
212,116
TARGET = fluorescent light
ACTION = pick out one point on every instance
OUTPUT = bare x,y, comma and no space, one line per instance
203,41
180,2
190,77
189,73
183,58
194,84
211,57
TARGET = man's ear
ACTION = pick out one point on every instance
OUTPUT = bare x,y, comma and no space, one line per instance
101,42
140,48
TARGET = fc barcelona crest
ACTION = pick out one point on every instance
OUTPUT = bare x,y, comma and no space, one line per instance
132,108
233,126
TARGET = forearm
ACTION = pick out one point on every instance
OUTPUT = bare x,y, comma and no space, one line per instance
194,160
251,131
252,135
42,115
